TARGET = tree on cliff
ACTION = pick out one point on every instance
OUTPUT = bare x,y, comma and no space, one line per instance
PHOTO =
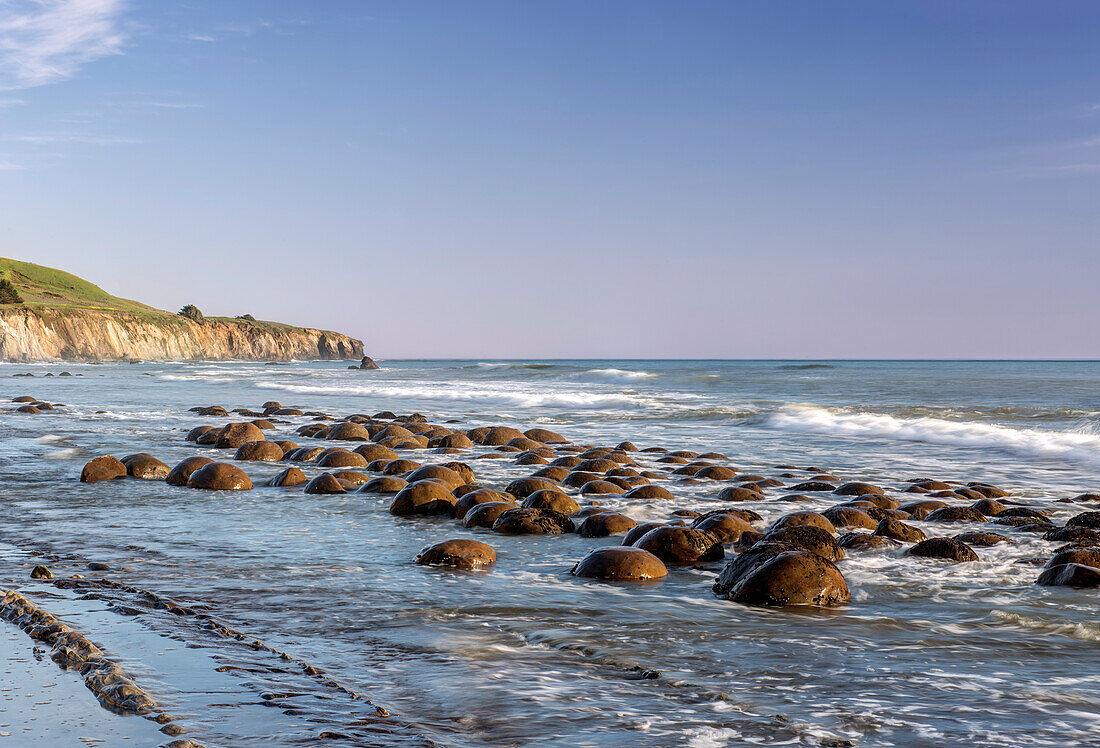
9,294
191,312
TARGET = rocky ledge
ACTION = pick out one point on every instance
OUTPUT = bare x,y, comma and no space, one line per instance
44,334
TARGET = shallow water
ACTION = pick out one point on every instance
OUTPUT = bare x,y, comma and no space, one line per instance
925,654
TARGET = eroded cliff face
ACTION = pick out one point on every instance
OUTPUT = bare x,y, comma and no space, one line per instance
88,335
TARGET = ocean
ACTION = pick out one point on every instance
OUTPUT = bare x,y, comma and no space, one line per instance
925,654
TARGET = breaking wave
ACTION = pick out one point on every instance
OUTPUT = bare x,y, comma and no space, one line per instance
1082,445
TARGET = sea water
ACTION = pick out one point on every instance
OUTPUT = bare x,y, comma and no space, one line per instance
926,653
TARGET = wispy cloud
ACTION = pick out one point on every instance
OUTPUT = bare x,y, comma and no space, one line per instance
10,102
1084,168
72,137
201,38
10,166
44,41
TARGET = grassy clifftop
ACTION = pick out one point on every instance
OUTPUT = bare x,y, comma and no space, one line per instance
46,287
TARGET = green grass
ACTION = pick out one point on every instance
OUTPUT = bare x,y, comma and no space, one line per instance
42,286
50,291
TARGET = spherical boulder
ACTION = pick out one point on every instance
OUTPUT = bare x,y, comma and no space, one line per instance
1070,575
618,563
459,554
648,492
793,578
292,476
808,538
234,435
323,484
898,530
681,545
371,452
103,468
1091,520
530,521
524,487
194,434
220,476
945,548
857,489
178,475
423,497
552,499
803,519
383,484
955,514
605,524
545,436
498,436
145,466
717,472
348,431
739,493
485,515
920,509
480,496
601,487
439,474
726,527
847,516
264,451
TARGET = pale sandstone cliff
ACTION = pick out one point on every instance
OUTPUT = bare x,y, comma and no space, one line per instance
91,335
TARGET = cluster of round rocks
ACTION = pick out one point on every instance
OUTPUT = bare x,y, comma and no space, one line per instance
32,405
793,561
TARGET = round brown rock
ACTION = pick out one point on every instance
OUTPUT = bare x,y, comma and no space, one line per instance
103,468
808,538
803,519
325,483
145,466
529,521
458,554
220,476
480,496
622,564
234,435
605,524
726,527
898,530
793,578
292,476
264,451
945,548
485,515
552,499
178,475
383,484
681,545
423,497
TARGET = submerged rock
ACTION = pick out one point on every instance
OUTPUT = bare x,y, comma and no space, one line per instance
618,563
178,475
793,578
681,545
949,549
220,476
103,468
460,554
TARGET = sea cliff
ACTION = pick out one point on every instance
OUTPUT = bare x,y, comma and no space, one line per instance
43,334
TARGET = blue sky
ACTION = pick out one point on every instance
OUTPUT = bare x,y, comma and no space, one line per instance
596,179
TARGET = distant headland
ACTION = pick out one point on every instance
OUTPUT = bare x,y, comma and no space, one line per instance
49,315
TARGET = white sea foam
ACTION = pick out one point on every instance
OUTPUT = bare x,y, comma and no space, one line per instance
1069,445
484,396
620,374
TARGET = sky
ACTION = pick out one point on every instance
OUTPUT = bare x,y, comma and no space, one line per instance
572,178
